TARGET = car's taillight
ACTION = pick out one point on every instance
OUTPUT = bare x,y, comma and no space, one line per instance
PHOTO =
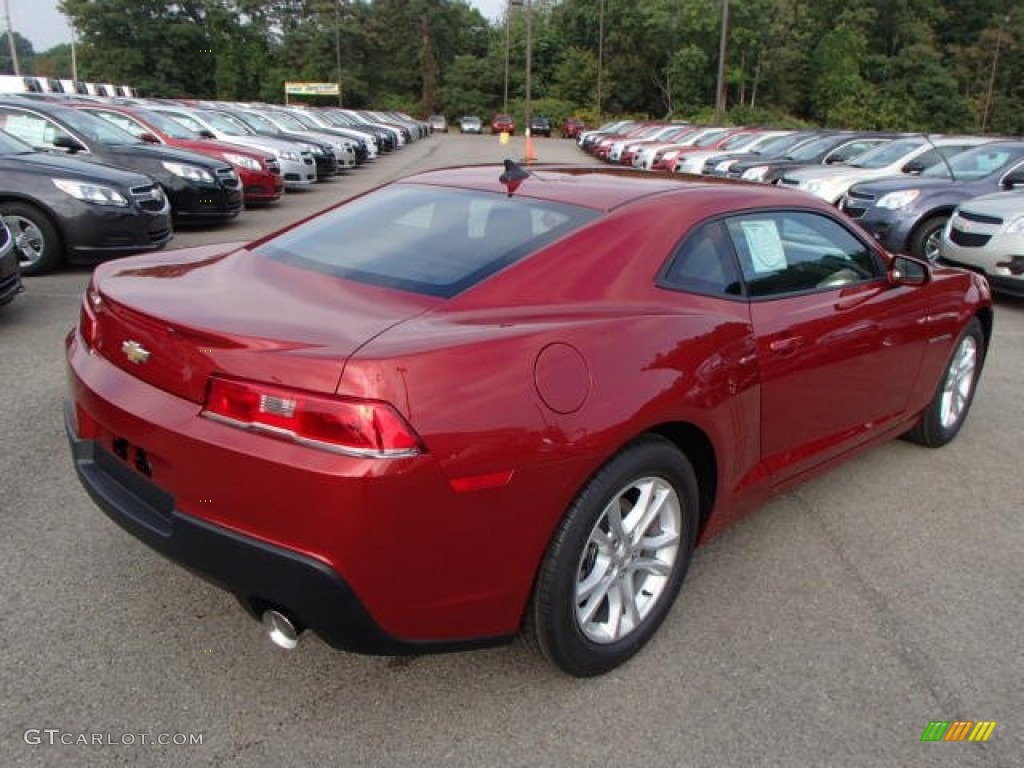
88,320
366,428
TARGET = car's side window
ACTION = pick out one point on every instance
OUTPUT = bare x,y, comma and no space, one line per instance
32,129
704,263
783,252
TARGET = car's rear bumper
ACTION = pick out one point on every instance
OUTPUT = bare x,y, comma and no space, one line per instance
261,574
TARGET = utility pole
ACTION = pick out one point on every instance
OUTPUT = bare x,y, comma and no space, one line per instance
529,60
74,57
508,43
10,37
337,46
992,74
722,48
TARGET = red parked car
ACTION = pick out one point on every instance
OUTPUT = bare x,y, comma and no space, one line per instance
503,124
474,403
260,174
572,127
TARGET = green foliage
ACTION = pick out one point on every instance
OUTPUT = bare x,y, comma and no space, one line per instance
25,53
896,64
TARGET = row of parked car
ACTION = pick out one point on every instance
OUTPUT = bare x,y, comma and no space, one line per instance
540,125
82,180
958,199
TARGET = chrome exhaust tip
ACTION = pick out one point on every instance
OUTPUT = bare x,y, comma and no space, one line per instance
280,629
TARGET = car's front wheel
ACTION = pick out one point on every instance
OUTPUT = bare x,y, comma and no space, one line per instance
35,238
617,561
948,409
927,240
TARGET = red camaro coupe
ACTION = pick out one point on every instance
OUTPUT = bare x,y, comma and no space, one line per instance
478,402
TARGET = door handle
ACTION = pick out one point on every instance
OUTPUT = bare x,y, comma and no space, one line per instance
787,345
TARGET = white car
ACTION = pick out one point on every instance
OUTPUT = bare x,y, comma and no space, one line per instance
986,234
297,164
471,124
907,156
692,161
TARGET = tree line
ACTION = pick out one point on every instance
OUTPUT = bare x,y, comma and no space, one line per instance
936,65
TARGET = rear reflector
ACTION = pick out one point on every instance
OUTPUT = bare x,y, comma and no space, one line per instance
365,428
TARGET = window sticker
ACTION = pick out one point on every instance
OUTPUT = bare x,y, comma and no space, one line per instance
765,245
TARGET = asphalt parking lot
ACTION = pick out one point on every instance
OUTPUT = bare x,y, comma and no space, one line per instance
827,629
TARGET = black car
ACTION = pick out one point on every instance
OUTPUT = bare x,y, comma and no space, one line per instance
834,148
10,276
59,208
719,165
540,126
323,153
907,215
198,186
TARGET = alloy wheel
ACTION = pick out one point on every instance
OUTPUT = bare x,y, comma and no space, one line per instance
28,239
628,560
956,390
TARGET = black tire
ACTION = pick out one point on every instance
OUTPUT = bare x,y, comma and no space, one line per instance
40,249
938,423
922,245
553,623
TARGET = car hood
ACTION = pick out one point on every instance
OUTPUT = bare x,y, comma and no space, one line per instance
65,166
1002,204
223,310
882,186
265,142
157,153
842,172
208,146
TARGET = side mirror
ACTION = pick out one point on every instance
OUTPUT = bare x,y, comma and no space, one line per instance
903,270
914,167
207,134
63,141
1014,179
149,138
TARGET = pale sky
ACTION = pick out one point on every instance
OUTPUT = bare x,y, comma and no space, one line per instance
43,24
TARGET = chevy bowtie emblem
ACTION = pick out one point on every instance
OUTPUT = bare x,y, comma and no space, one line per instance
135,352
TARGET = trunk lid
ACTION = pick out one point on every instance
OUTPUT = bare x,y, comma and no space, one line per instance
174,319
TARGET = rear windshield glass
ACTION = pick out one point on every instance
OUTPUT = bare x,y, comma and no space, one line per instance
425,239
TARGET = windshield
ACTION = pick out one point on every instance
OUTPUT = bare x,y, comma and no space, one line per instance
166,125
782,144
10,145
739,141
227,125
95,129
254,120
887,154
712,138
813,149
288,121
306,120
424,239
977,163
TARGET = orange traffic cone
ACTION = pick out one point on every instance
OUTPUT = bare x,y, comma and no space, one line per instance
530,154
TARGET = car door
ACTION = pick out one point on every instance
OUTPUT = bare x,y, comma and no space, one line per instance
837,345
